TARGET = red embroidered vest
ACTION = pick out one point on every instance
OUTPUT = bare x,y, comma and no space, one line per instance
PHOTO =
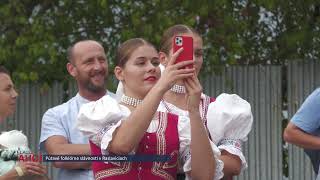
165,141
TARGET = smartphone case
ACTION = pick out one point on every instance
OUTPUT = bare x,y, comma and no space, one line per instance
187,43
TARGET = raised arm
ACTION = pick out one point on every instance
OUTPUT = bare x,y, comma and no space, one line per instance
203,164
127,136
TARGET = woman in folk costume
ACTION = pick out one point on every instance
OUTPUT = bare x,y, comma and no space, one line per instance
228,118
133,125
13,143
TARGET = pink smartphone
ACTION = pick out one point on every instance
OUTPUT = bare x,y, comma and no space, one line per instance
187,43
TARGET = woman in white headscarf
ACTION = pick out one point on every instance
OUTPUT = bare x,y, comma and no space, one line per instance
13,143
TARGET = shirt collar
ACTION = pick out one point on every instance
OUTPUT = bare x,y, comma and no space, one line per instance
81,99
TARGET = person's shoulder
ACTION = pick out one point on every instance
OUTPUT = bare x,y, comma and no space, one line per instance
313,98
62,108
101,107
232,106
65,105
111,94
316,93
235,98
108,98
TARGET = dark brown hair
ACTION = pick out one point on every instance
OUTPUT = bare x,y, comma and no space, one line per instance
4,70
126,49
166,39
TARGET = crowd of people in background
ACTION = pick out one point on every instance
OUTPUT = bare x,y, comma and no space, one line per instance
158,109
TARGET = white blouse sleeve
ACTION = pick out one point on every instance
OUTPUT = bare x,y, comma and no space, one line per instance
229,121
184,150
98,120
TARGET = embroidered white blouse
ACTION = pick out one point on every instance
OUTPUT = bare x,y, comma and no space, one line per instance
98,120
229,121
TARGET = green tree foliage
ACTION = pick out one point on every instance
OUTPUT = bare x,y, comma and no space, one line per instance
35,34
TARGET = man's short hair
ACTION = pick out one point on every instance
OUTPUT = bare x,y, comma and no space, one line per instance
70,54
4,70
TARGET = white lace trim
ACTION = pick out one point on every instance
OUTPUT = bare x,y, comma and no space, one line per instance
97,138
107,137
237,143
219,168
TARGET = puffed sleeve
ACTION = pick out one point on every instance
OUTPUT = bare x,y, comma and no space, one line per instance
184,149
99,119
229,121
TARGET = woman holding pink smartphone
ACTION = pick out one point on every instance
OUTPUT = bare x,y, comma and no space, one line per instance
227,118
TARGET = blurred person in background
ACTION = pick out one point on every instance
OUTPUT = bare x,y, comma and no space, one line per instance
304,129
88,65
13,143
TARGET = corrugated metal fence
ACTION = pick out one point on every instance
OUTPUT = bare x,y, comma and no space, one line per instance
259,85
